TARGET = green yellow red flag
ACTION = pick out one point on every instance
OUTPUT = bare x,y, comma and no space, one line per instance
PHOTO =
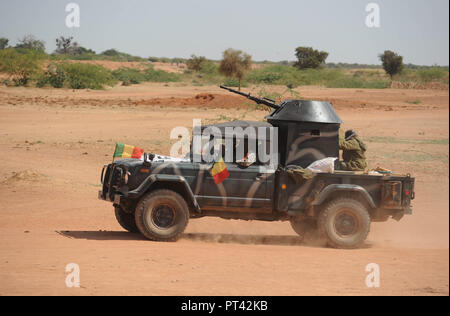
219,171
127,151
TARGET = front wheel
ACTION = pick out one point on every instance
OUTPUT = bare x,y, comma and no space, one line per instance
345,223
162,215
126,220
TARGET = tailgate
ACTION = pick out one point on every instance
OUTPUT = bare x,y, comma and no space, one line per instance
397,194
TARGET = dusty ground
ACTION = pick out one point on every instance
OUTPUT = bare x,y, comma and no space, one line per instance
54,143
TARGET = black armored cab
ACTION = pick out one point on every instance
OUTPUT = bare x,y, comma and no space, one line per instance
307,130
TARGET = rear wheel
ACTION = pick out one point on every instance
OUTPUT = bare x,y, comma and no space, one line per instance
126,220
345,223
162,215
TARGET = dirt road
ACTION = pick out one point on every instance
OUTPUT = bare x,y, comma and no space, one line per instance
52,153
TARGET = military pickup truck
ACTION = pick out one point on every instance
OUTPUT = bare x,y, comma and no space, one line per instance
157,196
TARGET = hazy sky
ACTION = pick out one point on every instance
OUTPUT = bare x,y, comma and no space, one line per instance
417,29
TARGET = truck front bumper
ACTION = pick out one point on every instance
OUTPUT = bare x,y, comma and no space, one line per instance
105,197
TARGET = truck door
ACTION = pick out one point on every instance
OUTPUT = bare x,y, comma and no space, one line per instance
244,188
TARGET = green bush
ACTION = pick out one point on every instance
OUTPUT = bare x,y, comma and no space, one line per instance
153,75
209,68
269,74
233,82
83,56
41,80
328,77
55,76
88,76
358,84
433,74
423,75
21,66
128,75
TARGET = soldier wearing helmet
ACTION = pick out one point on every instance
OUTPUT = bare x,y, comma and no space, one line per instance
353,152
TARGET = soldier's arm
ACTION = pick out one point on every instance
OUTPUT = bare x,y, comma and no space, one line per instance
351,144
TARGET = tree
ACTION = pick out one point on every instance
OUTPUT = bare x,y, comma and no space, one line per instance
195,62
235,64
80,50
392,63
30,42
65,45
3,42
111,52
309,58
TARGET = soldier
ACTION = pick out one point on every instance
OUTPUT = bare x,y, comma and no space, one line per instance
353,152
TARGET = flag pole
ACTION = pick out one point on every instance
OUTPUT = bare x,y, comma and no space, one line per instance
114,154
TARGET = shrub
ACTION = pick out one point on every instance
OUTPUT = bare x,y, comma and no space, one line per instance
128,75
56,76
20,66
433,74
5,82
267,75
233,82
153,75
115,55
423,75
333,78
209,68
356,83
41,81
88,76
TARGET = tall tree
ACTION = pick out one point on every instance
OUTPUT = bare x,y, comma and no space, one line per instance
3,42
392,63
66,45
308,57
235,64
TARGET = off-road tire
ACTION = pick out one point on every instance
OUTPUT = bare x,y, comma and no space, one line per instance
147,215
126,220
356,218
305,228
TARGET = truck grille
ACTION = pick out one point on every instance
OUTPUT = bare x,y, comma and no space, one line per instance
111,179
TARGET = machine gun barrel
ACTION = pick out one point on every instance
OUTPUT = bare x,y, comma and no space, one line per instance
273,105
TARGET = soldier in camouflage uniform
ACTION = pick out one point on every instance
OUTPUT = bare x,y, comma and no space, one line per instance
353,152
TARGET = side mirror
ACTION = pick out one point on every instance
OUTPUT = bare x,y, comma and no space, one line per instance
247,161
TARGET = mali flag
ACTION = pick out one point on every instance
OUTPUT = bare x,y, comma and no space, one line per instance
219,171
127,151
